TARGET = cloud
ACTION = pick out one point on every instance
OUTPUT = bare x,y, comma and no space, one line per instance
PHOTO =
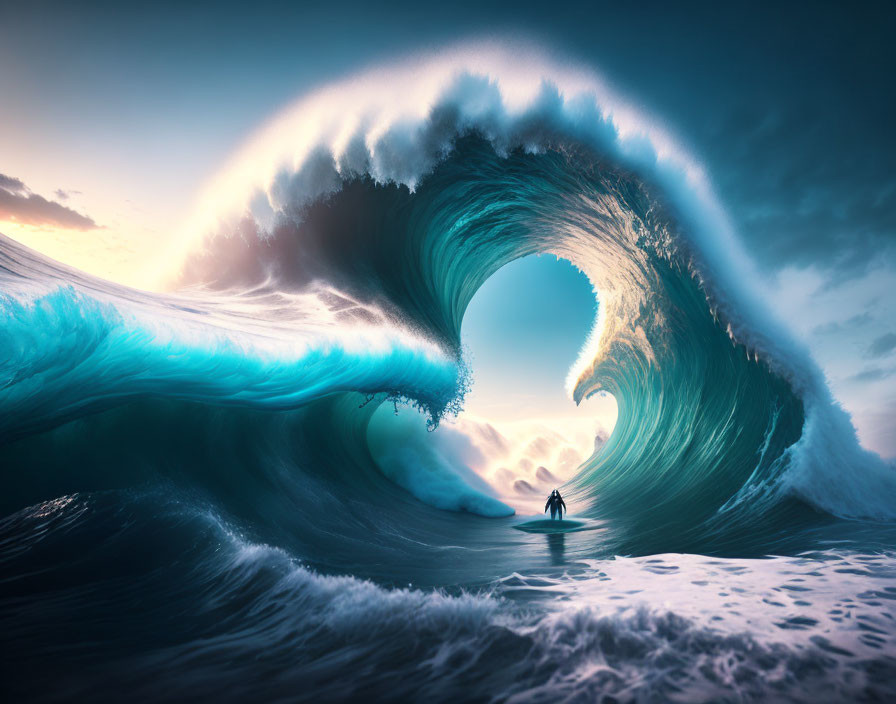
836,327
875,374
786,183
19,204
9,183
65,195
877,429
882,346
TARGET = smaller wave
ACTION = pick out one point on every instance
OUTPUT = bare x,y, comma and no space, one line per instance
68,351
434,467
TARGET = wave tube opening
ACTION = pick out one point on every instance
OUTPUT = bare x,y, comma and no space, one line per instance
519,429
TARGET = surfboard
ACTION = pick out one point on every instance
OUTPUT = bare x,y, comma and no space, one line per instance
548,526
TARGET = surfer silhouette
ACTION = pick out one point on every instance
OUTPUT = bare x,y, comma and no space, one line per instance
556,504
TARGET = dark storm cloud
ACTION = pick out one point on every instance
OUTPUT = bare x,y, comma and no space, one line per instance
20,205
882,346
809,194
791,118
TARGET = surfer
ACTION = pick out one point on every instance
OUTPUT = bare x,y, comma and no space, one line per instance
556,504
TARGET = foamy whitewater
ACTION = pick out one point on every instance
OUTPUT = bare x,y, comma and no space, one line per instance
208,496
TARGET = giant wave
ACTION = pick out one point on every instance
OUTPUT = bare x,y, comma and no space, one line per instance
356,228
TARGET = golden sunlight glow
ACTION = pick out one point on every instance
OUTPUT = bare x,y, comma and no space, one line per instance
106,253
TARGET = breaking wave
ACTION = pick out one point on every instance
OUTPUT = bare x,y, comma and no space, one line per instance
354,231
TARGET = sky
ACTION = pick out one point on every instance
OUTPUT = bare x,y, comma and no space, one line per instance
113,117
522,332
